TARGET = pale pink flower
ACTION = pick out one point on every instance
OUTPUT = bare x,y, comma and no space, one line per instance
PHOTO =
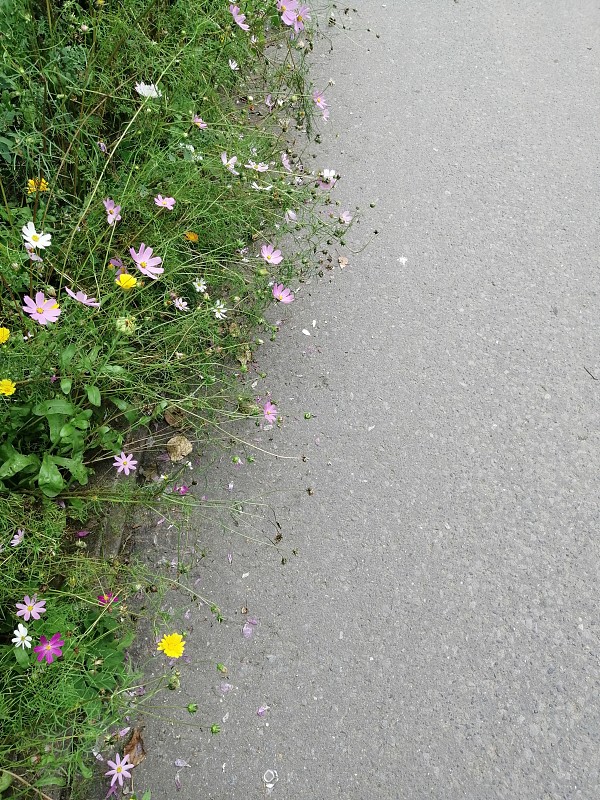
296,17
261,167
270,255
345,217
82,297
17,538
325,115
270,411
112,211
33,256
42,310
287,5
282,294
238,18
31,608
164,202
319,100
121,768
199,122
180,304
146,263
125,463
229,163
326,179
290,216
286,162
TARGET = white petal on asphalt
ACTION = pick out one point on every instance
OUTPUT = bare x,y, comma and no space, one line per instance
181,763
305,332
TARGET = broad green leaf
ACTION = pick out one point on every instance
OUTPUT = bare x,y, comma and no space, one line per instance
67,355
21,656
56,406
112,369
17,462
65,385
55,424
50,481
93,394
121,404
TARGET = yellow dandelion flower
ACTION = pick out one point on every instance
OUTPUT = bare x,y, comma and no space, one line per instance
172,645
4,334
7,387
37,185
126,281
191,236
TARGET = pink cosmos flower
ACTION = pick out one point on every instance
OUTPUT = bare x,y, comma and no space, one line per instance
182,490
345,218
326,179
107,599
296,17
164,202
270,255
49,648
33,256
199,122
125,463
147,265
31,607
261,167
286,162
287,5
270,411
325,115
112,211
17,538
82,297
239,19
121,768
229,163
282,294
180,304
290,216
319,100
42,310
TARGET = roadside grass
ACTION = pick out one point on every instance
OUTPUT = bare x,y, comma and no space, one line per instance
123,126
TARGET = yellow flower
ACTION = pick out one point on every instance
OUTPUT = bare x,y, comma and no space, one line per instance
37,185
4,334
7,387
191,236
172,645
126,281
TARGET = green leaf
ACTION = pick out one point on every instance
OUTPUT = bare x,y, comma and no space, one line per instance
75,466
65,385
67,355
55,424
56,406
147,795
50,481
126,641
22,657
5,781
16,462
93,394
50,780
112,369
121,404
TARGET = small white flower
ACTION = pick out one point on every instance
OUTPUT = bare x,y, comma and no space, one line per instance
219,310
261,167
199,285
180,304
233,65
147,90
21,638
229,163
290,216
34,239
255,185
328,175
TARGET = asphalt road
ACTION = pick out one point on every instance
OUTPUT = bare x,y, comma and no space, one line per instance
437,635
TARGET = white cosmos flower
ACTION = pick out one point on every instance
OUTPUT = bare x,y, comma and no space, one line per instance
199,285
34,239
233,64
148,90
219,310
21,638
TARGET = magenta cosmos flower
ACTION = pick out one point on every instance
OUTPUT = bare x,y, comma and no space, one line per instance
82,297
125,463
112,211
282,294
31,608
296,17
164,202
107,599
270,255
238,18
41,310
121,768
146,263
49,648
270,411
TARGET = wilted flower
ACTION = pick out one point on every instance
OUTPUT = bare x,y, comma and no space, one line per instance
17,538
290,216
286,162
103,147
233,64
327,179
148,90
82,298
345,217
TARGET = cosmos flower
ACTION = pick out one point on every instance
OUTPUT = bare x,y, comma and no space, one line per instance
147,263
82,298
238,18
34,239
180,304
164,202
147,90
42,310
21,638
270,412
282,294
31,607
199,122
112,211
219,310
49,648
125,463
270,255
229,163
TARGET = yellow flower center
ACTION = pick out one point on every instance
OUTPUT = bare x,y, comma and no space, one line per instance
35,237
29,608
119,769
39,310
143,264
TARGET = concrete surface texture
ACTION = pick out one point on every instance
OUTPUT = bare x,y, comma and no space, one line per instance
437,635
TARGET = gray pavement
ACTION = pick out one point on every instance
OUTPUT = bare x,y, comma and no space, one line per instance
437,635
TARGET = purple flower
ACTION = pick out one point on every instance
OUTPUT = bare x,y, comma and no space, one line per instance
147,264
247,630
121,768
31,607
82,297
182,490
112,211
107,599
17,538
103,147
42,310
282,294
49,648
239,19
199,122
83,533
125,463
270,411
262,711
270,255
287,5
164,202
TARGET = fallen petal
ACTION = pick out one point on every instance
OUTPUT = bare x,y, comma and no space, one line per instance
247,630
179,762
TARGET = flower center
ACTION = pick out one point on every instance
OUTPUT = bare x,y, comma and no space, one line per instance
39,310
48,646
143,264
35,237
29,608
